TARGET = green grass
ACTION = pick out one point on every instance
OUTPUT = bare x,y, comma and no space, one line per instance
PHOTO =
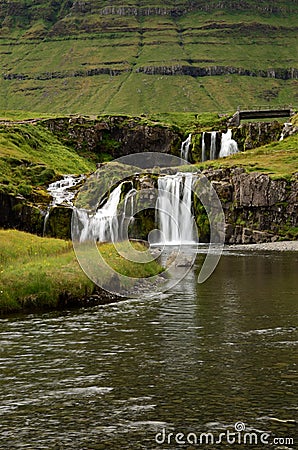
278,159
32,157
48,37
37,273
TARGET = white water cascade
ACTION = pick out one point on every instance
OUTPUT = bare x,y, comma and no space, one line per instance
128,210
184,151
174,215
228,145
203,148
213,145
212,150
62,192
102,225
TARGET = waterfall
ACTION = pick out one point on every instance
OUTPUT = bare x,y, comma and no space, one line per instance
185,148
228,145
174,215
128,210
209,150
213,145
102,225
61,190
62,193
203,158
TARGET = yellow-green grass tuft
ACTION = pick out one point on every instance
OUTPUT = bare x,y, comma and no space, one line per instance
36,273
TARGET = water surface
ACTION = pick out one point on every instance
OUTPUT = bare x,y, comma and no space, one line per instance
197,359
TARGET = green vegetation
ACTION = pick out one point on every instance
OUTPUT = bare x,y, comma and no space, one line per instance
278,159
31,157
41,273
96,57
190,122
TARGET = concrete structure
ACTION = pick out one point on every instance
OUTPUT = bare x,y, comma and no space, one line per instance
259,114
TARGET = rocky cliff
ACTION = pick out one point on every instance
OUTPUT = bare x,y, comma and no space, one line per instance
199,71
113,136
256,207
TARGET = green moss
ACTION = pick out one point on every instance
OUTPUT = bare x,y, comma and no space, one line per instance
201,219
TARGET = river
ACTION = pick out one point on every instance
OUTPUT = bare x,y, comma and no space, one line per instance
195,360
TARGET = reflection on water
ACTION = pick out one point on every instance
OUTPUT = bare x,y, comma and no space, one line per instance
199,358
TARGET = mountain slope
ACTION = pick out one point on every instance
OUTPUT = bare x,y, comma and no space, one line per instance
147,56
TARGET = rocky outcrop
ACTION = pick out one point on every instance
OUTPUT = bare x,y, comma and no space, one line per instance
254,134
195,71
76,73
18,213
256,207
115,136
144,11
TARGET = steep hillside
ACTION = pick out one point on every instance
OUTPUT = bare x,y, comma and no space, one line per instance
147,56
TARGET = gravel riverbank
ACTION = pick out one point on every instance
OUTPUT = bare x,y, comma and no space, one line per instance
282,246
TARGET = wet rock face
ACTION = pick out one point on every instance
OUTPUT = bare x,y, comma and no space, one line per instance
17,213
254,134
257,209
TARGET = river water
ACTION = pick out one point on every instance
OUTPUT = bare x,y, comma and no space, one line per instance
195,360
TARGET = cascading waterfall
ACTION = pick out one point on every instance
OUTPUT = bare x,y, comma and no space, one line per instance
174,203
203,157
228,145
62,193
60,190
210,145
184,151
102,225
128,210
173,210
213,145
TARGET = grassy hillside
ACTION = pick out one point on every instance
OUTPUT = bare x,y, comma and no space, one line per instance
31,156
147,56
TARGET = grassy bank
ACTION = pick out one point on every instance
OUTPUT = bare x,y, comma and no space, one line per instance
278,159
40,273
32,157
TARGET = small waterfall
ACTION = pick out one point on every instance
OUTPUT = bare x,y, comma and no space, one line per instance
185,148
103,225
62,193
174,215
228,145
61,190
213,145
286,131
128,209
209,145
203,158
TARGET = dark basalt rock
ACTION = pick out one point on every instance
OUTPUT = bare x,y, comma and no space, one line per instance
18,213
257,209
